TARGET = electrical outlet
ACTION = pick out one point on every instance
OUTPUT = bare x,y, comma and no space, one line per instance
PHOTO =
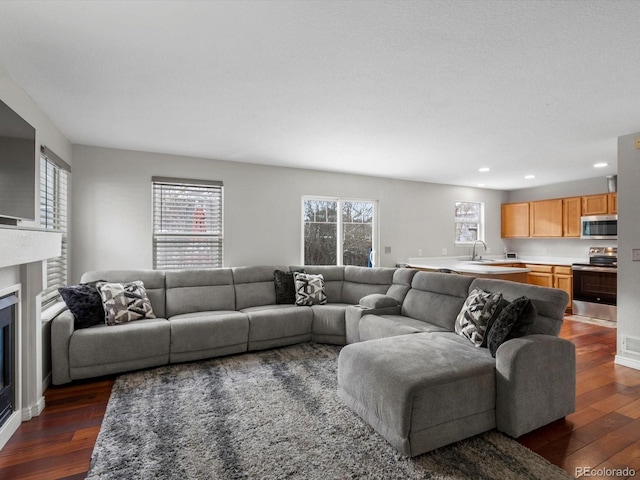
387,249
635,254
444,251
419,252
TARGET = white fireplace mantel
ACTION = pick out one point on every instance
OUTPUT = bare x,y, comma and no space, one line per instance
22,256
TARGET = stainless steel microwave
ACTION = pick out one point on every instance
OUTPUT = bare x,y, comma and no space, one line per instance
599,227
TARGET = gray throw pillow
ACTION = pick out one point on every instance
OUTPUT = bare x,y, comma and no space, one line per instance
475,314
125,302
309,289
515,320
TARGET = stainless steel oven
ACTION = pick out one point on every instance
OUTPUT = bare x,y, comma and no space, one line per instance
595,284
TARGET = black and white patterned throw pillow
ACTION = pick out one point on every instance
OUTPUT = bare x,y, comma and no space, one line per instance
475,315
125,302
515,320
310,289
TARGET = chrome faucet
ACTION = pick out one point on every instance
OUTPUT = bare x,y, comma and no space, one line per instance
474,255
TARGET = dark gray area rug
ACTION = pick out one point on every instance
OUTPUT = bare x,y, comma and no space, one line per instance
270,415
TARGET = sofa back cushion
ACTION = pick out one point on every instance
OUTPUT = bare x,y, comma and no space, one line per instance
333,279
153,283
254,285
436,298
362,281
199,290
549,302
401,285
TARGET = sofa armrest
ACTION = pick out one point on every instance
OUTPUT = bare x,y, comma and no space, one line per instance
378,300
61,331
355,313
535,382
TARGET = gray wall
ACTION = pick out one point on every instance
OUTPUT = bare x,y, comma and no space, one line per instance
628,238
262,209
560,247
46,134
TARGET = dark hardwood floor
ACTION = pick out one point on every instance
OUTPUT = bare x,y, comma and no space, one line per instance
604,432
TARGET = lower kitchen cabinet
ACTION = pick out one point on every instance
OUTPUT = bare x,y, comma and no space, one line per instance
553,276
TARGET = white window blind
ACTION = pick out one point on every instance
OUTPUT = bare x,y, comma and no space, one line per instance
187,223
54,173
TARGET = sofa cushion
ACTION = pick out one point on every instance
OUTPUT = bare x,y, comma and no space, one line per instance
401,283
271,322
549,302
362,281
85,302
475,315
373,327
309,289
436,298
254,285
199,290
329,319
125,302
103,345
208,330
515,320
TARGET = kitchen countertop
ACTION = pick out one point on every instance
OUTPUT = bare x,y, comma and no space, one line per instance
463,265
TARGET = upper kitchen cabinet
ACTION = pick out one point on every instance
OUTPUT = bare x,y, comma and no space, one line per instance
612,203
571,212
595,204
545,218
515,220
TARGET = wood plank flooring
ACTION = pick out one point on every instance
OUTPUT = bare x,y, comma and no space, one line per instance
604,432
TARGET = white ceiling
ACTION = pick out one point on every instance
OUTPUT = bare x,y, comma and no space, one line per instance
427,90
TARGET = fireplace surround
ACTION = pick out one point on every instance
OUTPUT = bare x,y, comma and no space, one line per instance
22,266
7,362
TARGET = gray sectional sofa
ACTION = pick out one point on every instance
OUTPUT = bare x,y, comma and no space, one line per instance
403,370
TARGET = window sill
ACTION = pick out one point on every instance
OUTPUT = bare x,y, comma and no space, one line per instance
52,311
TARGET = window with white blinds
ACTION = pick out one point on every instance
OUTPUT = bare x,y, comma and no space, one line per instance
54,178
187,223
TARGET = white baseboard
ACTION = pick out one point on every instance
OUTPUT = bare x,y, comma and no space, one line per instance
33,411
628,362
9,428
46,383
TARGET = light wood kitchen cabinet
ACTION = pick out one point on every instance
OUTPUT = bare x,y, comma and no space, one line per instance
541,275
545,218
571,213
553,276
515,220
563,279
595,204
612,203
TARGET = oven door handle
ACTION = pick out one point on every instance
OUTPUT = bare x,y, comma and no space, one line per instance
594,269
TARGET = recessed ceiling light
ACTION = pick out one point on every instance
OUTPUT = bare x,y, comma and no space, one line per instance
484,169
600,165
529,177
481,184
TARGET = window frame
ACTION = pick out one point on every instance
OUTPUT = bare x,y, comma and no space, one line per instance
480,223
54,216
339,225
216,238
